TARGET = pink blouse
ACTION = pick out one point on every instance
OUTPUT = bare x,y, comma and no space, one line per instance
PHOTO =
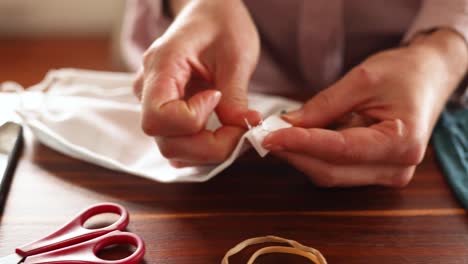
307,45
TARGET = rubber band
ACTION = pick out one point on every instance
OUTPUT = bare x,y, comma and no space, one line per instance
295,248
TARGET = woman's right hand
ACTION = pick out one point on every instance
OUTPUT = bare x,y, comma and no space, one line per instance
202,63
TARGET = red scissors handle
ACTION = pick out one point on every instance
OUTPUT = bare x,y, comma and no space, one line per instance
74,232
85,253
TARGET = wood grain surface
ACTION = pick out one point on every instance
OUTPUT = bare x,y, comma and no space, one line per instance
198,223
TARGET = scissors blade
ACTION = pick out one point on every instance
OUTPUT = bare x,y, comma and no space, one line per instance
11,259
10,144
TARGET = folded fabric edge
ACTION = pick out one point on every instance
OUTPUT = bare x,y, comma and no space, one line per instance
444,150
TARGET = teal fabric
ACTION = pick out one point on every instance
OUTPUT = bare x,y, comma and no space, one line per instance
450,141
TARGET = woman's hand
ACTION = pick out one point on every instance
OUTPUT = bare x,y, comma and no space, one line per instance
202,63
390,103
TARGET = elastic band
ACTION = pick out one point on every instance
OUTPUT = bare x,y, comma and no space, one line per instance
296,249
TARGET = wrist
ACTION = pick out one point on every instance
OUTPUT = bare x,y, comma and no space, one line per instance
443,56
445,48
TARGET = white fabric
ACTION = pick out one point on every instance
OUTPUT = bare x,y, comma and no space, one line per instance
94,117
256,134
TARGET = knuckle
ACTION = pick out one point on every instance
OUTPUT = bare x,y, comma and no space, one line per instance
401,178
414,155
326,179
365,77
408,144
325,100
149,129
166,149
414,150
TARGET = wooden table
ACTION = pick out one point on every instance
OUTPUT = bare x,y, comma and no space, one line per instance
198,223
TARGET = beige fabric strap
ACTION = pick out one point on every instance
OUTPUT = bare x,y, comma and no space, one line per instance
295,249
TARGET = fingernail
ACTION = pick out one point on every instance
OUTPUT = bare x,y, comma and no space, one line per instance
217,95
273,147
266,140
293,117
254,117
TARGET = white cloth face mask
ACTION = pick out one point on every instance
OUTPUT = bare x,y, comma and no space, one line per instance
94,117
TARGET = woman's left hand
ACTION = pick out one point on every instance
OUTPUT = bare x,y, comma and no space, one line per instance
391,102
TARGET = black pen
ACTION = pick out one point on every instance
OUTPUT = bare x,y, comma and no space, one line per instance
11,139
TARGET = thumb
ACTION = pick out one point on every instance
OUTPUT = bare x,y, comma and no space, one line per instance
332,103
233,108
164,111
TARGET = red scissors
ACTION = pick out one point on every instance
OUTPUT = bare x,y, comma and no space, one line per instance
73,243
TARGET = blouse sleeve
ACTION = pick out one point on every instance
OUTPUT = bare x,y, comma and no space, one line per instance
452,14
144,21
433,14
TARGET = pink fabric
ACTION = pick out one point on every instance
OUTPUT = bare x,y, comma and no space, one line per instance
144,22
307,45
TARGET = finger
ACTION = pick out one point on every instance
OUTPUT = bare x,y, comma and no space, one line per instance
179,117
335,101
165,113
352,120
326,174
138,84
184,164
232,79
205,147
383,142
